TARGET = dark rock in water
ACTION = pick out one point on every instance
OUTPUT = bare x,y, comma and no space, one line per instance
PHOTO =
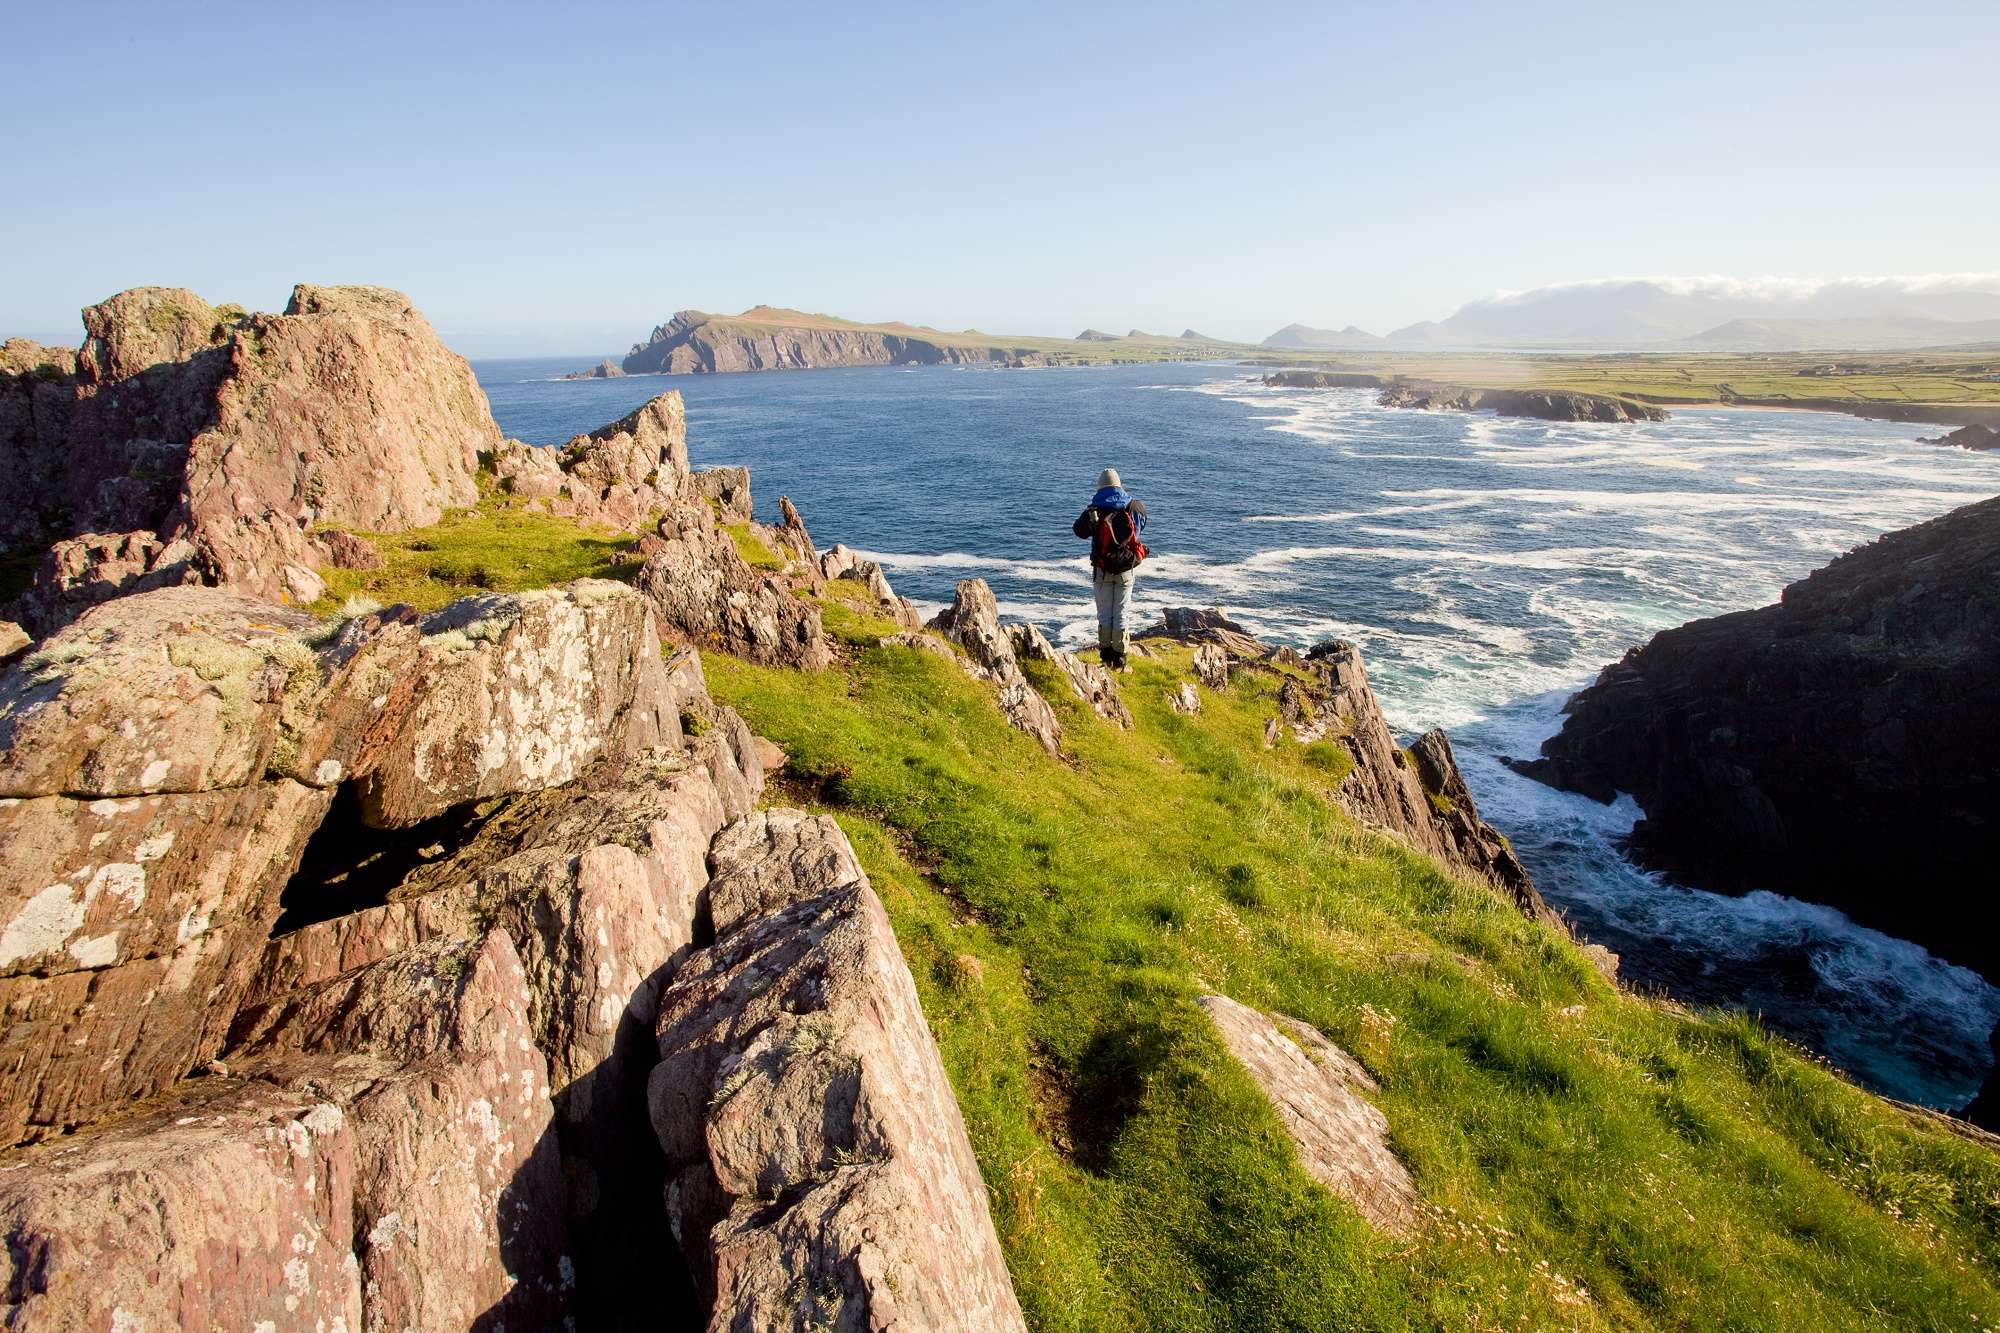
1980,438
1542,404
1322,379
607,369
1838,746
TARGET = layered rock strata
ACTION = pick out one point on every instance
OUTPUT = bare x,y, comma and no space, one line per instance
972,621
1836,746
821,1175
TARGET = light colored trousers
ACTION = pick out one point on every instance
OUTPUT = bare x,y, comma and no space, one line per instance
1114,603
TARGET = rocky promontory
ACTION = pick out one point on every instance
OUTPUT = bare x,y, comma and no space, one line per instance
765,338
607,369
1425,395
1837,746
1974,437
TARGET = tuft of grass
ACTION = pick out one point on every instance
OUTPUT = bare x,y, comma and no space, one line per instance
1589,1159
752,548
489,549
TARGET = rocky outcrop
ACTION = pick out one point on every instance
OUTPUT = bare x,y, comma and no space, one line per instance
616,477
838,562
1316,1088
607,369
1418,796
821,1174
196,444
728,489
1836,746
1542,404
1322,379
1974,437
1096,336
706,595
695,342
169,754
1213,626
1088,681
972,621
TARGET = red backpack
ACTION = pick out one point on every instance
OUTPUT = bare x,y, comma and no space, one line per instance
1115,554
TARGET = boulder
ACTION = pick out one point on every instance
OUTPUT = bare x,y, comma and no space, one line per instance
821,1175
348,551
972,621
1316,1088
14,642
1184,699
1089,681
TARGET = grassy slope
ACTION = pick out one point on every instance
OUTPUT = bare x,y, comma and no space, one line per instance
1694,378
1685,1171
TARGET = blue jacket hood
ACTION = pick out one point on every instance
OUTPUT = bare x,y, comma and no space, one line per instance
1111,497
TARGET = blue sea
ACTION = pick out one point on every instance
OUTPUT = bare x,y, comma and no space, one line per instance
1487,568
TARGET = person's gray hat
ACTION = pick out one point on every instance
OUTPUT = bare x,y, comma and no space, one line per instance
1108,477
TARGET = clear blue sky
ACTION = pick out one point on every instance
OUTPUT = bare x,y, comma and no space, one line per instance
561,178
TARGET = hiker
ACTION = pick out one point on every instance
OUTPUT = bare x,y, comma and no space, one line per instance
1111,523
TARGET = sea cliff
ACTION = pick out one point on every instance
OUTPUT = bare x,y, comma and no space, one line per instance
1837,746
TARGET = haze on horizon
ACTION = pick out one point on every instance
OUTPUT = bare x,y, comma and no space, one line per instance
545,184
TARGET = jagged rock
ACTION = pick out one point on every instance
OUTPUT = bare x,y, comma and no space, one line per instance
457,1183
972,621
216,440
1185,699
728,489
1475,842
821,1172
14,642
1315,1087
384,1166
705,594
606,369
1087,680
1211,665
617,476
1837,746
1390,790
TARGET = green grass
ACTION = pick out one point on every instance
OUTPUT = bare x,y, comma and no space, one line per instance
1688,1170
752,548
494,548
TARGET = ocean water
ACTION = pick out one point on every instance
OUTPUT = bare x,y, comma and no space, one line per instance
1487,567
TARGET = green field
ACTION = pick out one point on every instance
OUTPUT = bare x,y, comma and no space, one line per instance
1805,379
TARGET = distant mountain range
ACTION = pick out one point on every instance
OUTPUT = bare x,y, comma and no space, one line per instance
1713,314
